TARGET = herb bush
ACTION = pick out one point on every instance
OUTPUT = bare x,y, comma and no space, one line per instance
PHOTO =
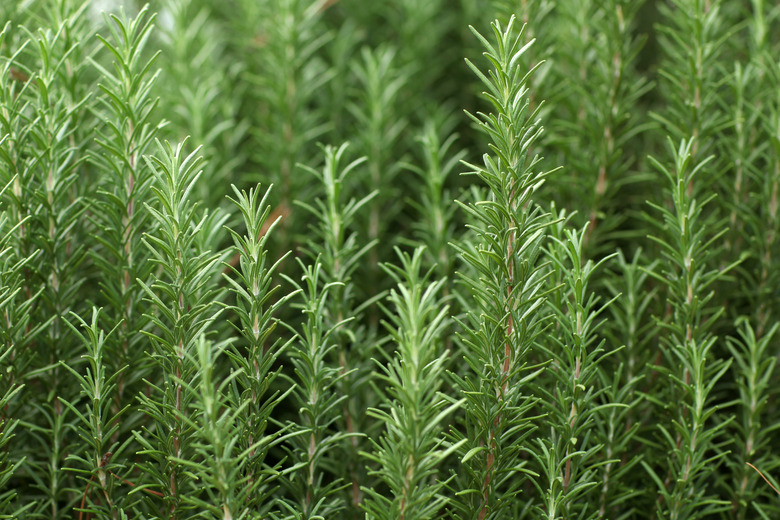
256,262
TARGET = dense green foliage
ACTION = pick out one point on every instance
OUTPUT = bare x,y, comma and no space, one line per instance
257,262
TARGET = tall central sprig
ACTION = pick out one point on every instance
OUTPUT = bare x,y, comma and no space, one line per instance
506,281
184,301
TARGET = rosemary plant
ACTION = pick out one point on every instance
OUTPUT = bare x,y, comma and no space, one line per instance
255,306
99,424
508,285
436,225
183,297
339,253
572,400
320,403
14,324
242,324
119,215
413,444
692,438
